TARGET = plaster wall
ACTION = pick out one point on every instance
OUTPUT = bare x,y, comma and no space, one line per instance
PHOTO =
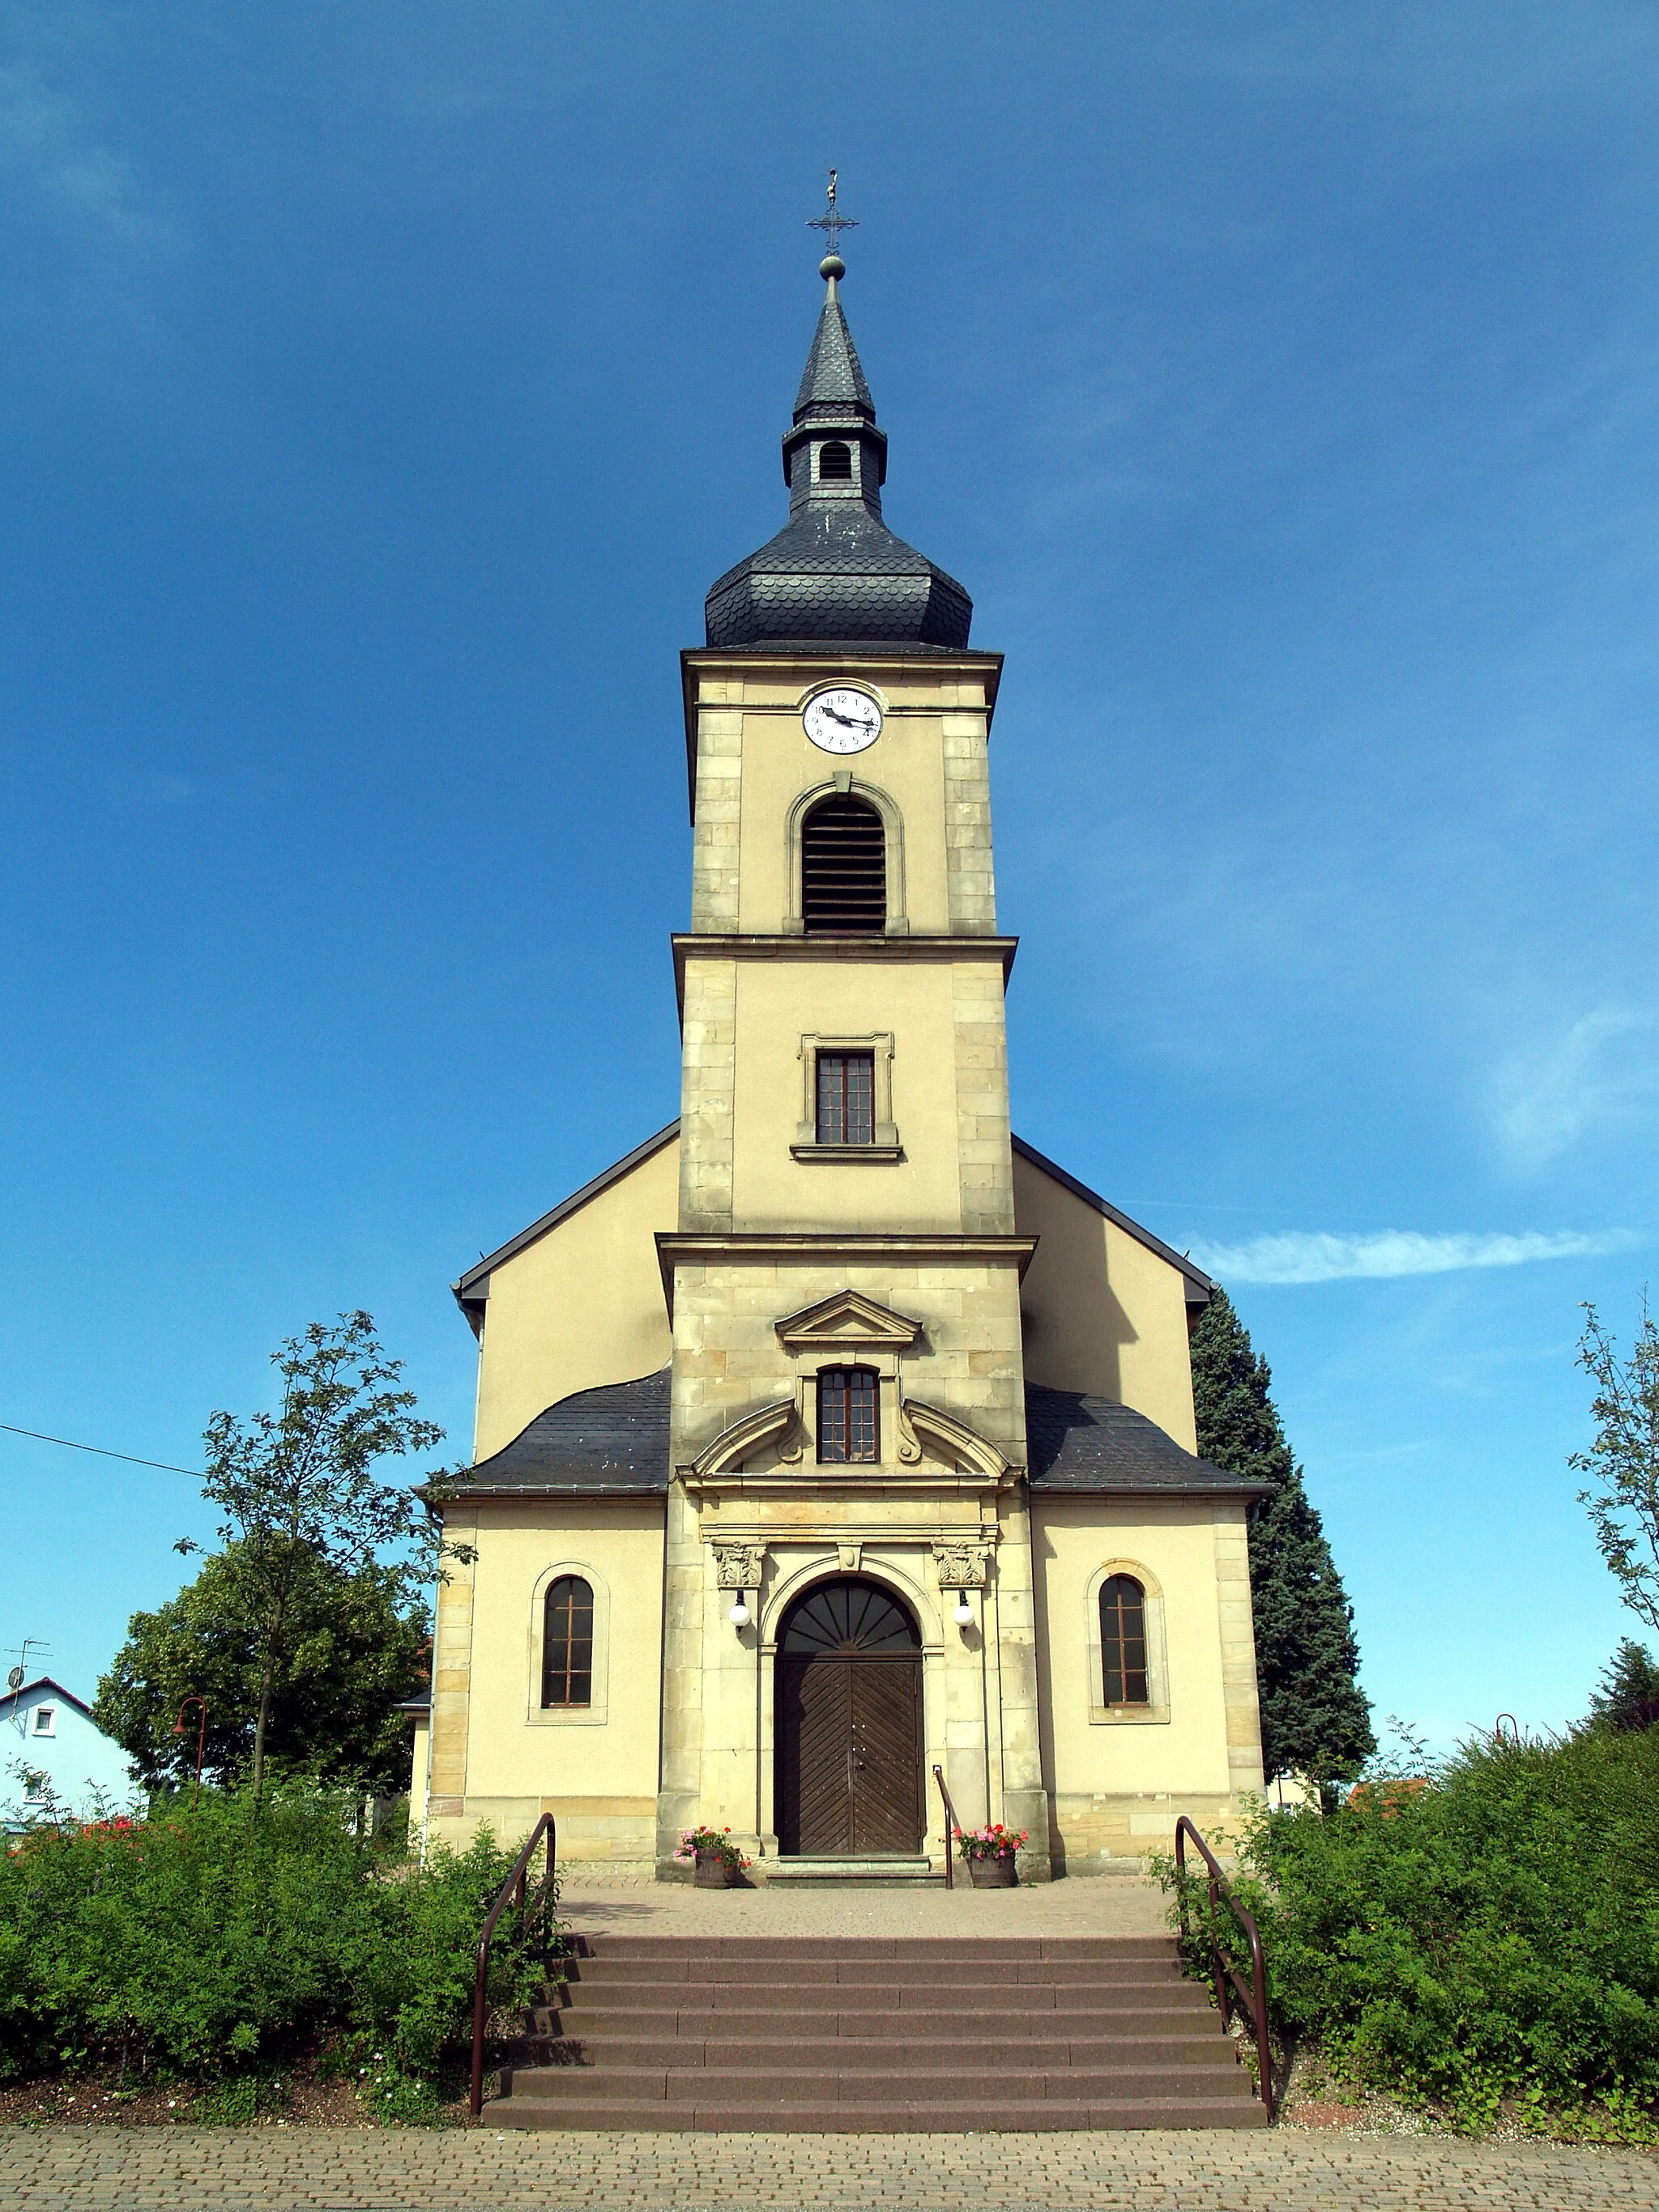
949,1094
1117,1778
594,1767
1102,1314
582,1306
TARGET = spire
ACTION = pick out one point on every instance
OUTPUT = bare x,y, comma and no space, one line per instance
835,571
833,377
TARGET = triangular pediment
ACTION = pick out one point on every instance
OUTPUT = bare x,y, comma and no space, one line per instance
848,1317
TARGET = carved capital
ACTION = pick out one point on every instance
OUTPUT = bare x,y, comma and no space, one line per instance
739,1566
961,1566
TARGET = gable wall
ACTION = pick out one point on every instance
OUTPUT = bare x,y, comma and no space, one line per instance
582,1306
1102,1314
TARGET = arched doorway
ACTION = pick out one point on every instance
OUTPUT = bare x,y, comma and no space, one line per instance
849,1763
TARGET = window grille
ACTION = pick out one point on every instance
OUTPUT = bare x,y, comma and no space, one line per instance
849,1426
846,1098
567,1642
1123,1640
843,869
835,463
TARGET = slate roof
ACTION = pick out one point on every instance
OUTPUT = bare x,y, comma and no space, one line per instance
835,574
834,375
614,1441
1080,1444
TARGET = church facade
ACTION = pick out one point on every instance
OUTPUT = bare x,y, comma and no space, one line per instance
834,1436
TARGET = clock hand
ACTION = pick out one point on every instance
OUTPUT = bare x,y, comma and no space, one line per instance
848,722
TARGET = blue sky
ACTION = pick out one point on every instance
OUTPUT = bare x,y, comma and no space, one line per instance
383,386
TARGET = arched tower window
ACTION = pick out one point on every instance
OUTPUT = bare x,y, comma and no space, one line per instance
849,1416
835,463
1123,1640
567,1642
843,869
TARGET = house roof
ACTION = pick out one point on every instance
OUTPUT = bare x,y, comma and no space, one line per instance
614,1441
1080,1444
1200,1286
13,1698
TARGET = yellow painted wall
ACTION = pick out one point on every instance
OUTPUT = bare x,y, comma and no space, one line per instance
1118,1785
780,763
778,1003
582,1306
596,1769
1102,1313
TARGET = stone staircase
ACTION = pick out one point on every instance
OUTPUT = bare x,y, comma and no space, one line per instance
883,2035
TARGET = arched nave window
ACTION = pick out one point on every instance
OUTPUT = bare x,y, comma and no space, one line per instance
567,1641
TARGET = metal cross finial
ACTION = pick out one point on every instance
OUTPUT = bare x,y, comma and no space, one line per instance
832,221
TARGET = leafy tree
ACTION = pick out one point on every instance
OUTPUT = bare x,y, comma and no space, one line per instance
355,1648
1627,1695
300,1489
1316,1720
1623,1463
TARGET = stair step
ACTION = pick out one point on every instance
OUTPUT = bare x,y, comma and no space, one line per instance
833,2035
812,1950
922,2116
1127,1973
798,2053
917,1996
733,2085
860,1872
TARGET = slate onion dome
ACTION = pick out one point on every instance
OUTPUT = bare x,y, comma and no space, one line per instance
835,572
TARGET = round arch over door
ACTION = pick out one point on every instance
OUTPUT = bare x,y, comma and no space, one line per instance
850,1783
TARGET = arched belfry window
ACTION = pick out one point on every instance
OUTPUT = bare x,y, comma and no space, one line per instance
1123,1641
567,1642
843,869
849,1416
835,463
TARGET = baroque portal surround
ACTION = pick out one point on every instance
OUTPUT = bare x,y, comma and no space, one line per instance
926,1523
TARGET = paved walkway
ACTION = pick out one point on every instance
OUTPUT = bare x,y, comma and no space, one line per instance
1100,1905
316,2170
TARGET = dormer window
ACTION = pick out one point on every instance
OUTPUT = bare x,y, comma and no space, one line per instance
835,463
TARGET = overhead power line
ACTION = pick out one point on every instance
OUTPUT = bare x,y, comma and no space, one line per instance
131,1458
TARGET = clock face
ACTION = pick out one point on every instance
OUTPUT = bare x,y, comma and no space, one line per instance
842,721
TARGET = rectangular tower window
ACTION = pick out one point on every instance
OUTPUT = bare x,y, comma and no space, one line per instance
849,1426
846,1098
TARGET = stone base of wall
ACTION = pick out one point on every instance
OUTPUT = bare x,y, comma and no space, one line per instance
596,1831
1116,1834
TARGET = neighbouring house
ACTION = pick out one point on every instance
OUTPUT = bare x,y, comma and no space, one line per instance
52,1751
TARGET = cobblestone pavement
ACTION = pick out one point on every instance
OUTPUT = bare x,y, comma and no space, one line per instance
277,2170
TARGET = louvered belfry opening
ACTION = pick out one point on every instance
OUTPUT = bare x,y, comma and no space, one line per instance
835,463
843,869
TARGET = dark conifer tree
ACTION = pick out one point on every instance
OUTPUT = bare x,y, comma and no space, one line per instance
1316,1720
1627,1695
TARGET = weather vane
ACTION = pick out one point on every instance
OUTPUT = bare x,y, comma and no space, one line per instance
832,222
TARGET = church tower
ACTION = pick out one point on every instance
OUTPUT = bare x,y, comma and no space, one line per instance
845,1278
835,1450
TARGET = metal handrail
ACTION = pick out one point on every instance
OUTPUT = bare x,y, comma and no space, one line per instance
952,1830
511,1892
1253,1994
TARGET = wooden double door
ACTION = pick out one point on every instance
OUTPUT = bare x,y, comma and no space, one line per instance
849,1743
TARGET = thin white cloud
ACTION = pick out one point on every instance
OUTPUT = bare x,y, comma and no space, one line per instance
1315,1256
1602,1072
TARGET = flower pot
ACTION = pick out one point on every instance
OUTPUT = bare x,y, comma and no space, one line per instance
715,1872
999,1872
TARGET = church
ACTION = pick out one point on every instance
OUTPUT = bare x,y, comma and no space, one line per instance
834,1443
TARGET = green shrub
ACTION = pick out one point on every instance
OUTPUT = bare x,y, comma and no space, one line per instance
1492,1936
207,1943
